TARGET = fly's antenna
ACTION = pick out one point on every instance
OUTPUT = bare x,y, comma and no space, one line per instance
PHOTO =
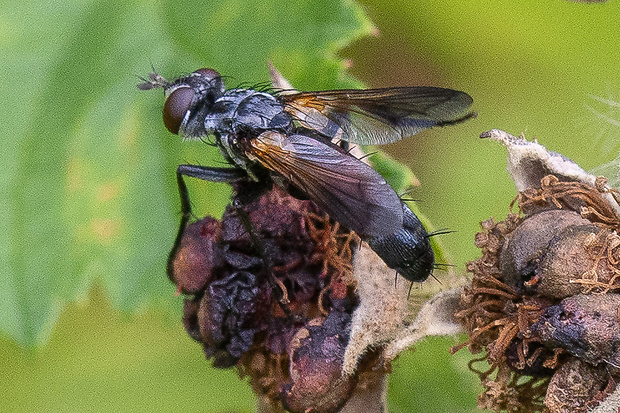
154,81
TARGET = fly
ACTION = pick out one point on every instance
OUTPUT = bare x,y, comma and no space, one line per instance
288,136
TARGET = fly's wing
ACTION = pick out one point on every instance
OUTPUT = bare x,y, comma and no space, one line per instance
341,185
377,116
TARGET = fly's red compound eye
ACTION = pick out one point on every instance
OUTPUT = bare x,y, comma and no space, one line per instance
176,106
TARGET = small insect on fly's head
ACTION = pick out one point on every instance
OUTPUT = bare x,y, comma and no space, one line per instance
186,95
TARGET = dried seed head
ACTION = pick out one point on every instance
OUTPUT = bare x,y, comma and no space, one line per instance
280,310
531,304
577,387
525,245
196,257
568,267
586,326
228,317
316,356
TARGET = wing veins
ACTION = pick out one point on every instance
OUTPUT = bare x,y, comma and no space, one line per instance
347,189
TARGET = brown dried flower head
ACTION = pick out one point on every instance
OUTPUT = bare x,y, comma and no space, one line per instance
298,304
543,299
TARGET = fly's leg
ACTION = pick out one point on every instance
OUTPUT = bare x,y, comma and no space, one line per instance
223,175
276,284
205,174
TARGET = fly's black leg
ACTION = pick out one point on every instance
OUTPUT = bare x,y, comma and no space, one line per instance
205,174
223,175
212,174
276,285
186,213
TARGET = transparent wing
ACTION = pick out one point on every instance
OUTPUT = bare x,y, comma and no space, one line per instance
377,116
341,185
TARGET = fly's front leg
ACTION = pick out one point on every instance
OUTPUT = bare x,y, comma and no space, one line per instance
205,174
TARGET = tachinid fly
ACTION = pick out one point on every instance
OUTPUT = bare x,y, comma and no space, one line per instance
291,137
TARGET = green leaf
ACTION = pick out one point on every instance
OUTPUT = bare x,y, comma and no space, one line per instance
88,186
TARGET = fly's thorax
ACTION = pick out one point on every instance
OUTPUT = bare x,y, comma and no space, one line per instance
247,110
231,149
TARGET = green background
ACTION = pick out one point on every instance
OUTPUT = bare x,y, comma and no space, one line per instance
88,204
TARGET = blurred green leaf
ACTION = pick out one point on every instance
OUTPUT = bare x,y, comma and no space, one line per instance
88,184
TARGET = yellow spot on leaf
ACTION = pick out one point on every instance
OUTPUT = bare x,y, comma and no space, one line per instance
105,229
106,192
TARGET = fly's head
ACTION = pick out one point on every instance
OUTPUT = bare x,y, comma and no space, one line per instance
186,99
